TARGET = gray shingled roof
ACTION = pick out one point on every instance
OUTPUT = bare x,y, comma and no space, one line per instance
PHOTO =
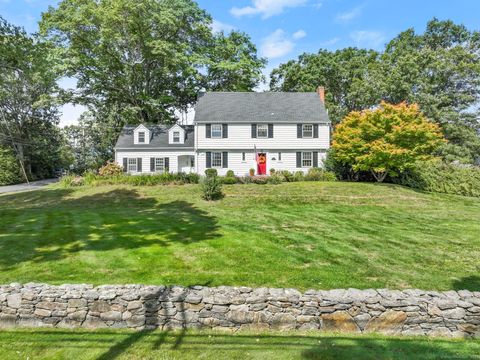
158,137
252,107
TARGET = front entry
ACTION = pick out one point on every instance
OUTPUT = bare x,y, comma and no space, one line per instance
261,163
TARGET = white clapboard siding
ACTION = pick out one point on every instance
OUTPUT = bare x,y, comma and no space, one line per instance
284,137
242,168
146,155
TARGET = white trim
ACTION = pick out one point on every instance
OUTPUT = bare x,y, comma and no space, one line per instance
311,159
221,131
303,131
221,159
266,129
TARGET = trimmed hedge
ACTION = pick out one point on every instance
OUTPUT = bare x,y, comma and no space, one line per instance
437,176
135,180
9,168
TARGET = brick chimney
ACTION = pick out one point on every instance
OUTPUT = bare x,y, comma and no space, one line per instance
321,94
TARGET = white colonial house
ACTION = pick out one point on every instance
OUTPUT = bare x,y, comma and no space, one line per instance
233,131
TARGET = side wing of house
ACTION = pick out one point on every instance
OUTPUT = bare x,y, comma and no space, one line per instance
160,149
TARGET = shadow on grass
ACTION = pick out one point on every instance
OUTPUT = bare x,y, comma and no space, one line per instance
115,344
471,283
49,225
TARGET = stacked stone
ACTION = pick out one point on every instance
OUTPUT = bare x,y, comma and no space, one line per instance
407,312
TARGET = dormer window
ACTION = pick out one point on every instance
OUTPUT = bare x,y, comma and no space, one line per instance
176,136
141,137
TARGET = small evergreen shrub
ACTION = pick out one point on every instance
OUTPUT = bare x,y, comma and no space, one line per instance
110,168
212,188
298,176
275,179
229,180
272,171
437,176
230,173
251,172
261,180
211,172
317,174
287,175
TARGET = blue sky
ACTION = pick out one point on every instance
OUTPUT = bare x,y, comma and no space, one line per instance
283,29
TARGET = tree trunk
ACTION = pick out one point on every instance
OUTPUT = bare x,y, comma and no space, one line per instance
21,159
379,176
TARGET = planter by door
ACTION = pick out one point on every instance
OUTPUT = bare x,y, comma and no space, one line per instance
262,164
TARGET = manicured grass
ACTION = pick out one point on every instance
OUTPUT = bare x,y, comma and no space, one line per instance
110,344
301,235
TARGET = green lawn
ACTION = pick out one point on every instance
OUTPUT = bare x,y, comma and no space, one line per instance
109,344
301,235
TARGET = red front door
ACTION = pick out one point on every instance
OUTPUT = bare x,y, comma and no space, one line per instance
262,164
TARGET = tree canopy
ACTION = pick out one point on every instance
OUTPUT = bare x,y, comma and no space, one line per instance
439,70
385,141
147,58
28,102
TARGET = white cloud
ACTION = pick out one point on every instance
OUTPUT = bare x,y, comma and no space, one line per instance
318,5
218,26
266,8
349,15
276,45
368,39
330,42
299,34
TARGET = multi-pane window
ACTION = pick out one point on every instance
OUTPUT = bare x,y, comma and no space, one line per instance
176,136
216,130
307,130
132,165
141,137
306,159
159,164
262,131
216,159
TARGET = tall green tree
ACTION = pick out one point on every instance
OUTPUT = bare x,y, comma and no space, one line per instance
144,61
346,74
28,101
439,70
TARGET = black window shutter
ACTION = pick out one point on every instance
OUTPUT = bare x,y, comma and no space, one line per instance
166,164
270,130
225,159
225,131
299,131
152,164
254,131
209,160
125,160
208,129
139,164
299,159
315,130
315,159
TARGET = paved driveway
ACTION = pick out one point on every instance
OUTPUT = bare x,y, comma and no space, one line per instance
25,187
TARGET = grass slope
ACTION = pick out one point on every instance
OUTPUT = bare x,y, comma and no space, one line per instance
109,344
301,235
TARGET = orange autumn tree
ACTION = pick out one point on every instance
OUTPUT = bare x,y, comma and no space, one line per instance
385,141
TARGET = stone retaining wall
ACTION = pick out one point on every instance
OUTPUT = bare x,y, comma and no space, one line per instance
408,312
